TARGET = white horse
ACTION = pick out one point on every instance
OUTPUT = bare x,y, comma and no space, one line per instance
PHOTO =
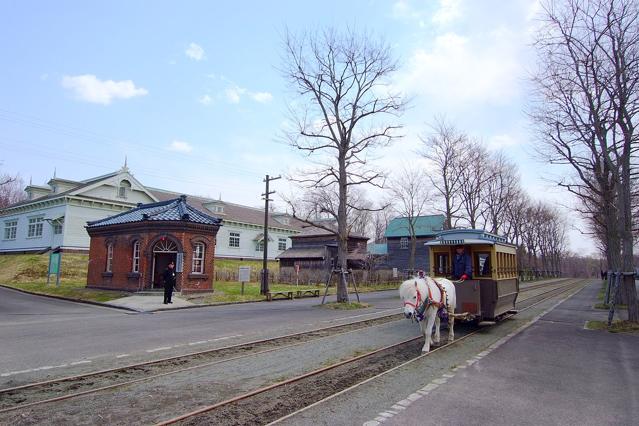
422,299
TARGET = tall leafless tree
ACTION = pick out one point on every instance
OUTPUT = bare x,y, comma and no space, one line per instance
476,170
498,192
586,110
345,111
443,147
410,196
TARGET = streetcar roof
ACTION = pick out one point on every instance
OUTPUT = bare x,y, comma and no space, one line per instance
455,237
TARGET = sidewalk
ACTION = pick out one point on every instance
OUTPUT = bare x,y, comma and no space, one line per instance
554,372
150,303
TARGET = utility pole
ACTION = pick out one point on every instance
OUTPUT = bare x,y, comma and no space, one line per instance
264,283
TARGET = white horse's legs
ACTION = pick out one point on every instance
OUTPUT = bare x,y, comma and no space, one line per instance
436,335
451,326
430,321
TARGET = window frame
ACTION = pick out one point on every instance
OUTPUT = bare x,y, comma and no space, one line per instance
234,239
10,231
281,244
259,246
479,268
58,227
135,258
197,258
35,227
122,188
403,243
109,258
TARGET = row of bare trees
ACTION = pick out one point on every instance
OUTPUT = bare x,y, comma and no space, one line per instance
586,111
473,187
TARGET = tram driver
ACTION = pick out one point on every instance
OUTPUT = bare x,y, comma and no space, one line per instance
462,264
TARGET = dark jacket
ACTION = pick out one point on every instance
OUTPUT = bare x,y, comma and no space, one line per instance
462,265
169,278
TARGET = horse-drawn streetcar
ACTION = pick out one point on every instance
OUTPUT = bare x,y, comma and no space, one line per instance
491,289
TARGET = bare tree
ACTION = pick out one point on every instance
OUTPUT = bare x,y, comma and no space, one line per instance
11,190
587,106
475,172
344,114
410,196
498,192
443,148
381,219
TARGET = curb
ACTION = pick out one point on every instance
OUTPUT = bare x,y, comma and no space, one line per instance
68,299
106,305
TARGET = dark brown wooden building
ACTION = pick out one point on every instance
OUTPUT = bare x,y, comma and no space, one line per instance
313,254
129,251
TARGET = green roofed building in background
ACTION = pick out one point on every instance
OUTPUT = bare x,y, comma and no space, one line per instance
398,238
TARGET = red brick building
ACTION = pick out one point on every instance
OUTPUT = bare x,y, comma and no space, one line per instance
129,251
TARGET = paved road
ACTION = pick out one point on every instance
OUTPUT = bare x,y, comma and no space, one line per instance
554,372
42,336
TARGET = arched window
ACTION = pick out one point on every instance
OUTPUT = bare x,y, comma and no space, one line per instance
197,266
109,258
125,186
135,267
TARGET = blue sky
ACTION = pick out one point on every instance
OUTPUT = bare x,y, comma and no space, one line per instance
191,94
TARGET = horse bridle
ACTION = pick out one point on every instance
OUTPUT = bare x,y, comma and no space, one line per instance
419,307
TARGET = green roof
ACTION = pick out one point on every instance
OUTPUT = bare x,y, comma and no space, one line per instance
425,226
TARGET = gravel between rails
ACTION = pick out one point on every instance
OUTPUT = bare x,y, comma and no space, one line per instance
275,403
157,400
12,398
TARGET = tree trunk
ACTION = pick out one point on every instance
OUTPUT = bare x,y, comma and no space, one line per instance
342,249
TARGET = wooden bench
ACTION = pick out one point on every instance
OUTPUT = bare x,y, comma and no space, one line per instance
283,294
308,293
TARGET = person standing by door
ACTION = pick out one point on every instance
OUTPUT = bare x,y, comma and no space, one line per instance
169,282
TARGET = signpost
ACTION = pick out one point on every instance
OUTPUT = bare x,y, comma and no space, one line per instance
244,275
55,260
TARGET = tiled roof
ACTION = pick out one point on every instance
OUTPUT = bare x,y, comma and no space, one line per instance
164,211
232,212
425,226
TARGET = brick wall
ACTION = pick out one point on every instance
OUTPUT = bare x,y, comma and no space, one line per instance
121,276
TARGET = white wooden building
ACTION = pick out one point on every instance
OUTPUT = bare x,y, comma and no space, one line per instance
55,216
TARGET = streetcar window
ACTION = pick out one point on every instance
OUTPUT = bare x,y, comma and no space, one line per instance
482,264
441,264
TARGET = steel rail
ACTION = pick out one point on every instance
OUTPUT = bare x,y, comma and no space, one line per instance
190,368
205,409
397,367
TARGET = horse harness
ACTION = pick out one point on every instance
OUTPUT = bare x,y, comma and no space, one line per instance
421,306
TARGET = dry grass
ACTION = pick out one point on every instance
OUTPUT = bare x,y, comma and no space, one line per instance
619,326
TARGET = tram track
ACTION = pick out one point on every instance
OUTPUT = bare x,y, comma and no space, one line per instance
270,403
28,395
32,395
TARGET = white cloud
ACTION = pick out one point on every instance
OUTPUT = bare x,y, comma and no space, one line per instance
262,97
180,146
205,100
89,88
234,94
195,52
448,11
456,70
